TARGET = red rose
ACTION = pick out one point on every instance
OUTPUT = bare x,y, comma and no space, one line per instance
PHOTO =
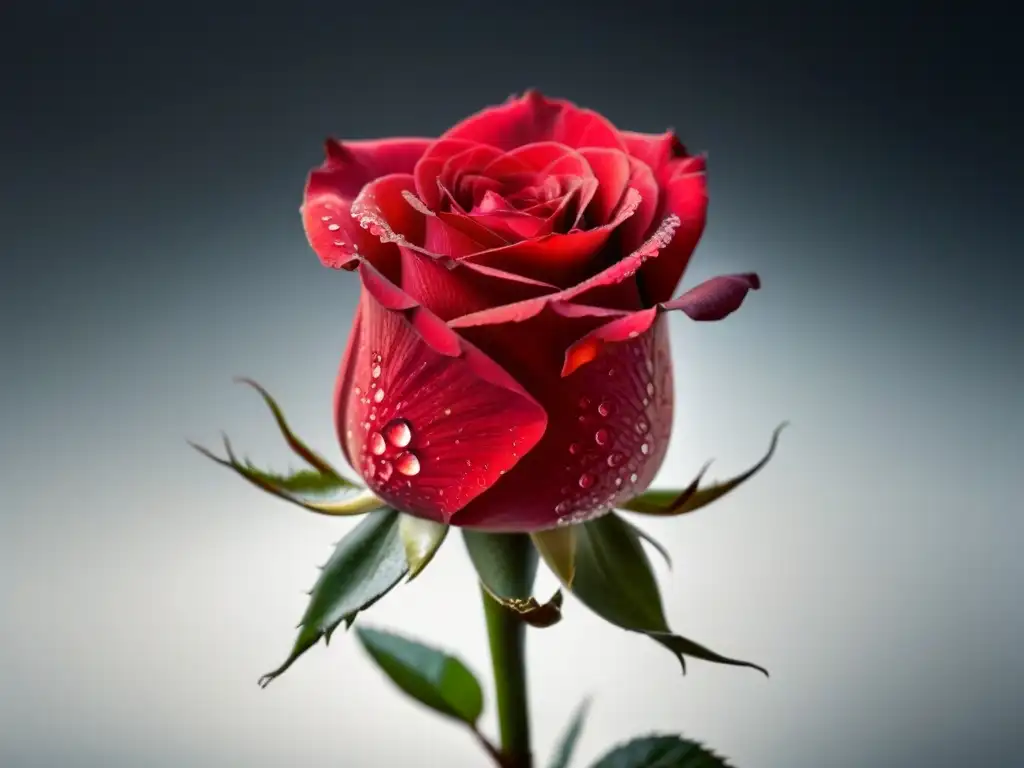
507,367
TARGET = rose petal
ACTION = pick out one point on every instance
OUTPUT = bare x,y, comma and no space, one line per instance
713,299
465,287
546,158
685,196
654,150
608,425
639,225
556,258
428,170
331,188
534,118
611,168
429,420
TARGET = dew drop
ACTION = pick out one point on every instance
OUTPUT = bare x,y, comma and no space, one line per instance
378,395
586,480
408,464
358,391
584,403
618,482
334,227
574,448
561,507
375,372
614,459
377,444
632,478
605,408
645,449
398,433
385,471
447,411
650,388
325,218
601,437
642,427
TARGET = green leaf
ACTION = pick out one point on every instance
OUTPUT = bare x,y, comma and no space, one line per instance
367,563
565,749
614,579
661,752
298,488
671,503
507,566
421,540
655,544
558,548
430,676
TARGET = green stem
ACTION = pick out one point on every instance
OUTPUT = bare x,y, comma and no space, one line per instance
507,635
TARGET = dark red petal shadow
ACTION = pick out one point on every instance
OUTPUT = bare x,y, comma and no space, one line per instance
428,420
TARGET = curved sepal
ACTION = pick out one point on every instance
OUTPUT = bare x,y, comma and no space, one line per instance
563,754
302,488
421,539
367,563
506,564
613,578
432,677
668,503
558,548
659,751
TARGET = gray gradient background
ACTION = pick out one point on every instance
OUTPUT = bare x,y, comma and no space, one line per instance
865,161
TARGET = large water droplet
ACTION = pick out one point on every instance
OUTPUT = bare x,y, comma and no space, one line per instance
398,433
378,395
385,471
604,408
375,372
377,444
601,437
408,464
586,480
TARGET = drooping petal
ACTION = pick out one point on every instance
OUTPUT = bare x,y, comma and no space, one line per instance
429,420
608,425
330,189
684,196
713,299
534,118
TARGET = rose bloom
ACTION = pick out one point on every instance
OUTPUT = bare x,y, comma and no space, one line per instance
508,367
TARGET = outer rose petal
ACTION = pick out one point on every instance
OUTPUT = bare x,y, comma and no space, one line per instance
463,287
655,150
684,195
427,419
608,425
533,118
331,188
713,299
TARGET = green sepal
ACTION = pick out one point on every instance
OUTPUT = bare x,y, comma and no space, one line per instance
557,546
281,486
669,503
661,752
432,677
421,539
506,564
366,564
613,577
563,754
